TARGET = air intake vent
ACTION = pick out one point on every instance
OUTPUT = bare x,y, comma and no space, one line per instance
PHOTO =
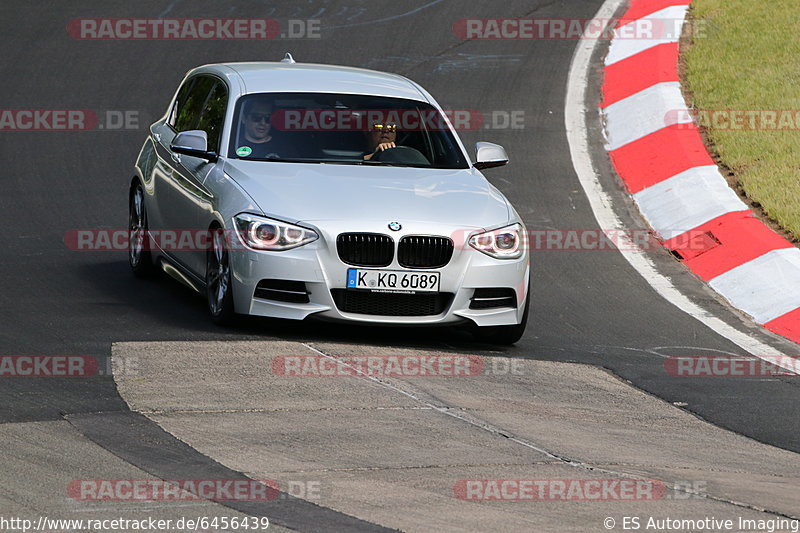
421,251
365,249
282,290
390,304
494,297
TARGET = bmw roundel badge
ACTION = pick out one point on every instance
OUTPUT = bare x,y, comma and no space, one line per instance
395,226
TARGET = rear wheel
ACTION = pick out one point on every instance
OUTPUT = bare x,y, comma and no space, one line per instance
219,292
138,253
505,335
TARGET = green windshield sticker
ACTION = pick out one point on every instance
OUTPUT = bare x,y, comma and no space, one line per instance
244,151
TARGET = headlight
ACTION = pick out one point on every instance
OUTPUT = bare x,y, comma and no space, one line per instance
503,243
263,233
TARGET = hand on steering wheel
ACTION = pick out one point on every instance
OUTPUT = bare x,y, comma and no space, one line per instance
381,147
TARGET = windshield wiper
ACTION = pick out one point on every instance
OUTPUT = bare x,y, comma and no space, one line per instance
335,162
373,163
279,159
344,161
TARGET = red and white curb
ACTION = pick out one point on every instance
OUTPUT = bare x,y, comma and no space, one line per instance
659,154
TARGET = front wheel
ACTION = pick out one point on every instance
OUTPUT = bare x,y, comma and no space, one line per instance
138,251
219,292
505,335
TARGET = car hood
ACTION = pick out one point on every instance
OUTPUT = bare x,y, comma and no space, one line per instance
305,192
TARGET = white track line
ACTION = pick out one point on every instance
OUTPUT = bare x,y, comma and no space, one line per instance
600,202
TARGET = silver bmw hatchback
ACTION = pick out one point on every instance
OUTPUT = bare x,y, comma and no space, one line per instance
298,191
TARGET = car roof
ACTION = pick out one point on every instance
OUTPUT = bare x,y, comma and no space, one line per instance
256,77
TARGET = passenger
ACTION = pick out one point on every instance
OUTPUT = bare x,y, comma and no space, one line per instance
256,140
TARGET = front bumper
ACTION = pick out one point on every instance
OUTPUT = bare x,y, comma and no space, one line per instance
319,267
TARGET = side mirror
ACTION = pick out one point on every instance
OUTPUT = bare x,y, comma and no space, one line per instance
193,143
490,155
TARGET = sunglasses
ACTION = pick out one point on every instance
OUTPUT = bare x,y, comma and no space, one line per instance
259,117
384,127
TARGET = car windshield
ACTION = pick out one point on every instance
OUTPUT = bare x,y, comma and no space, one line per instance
343,129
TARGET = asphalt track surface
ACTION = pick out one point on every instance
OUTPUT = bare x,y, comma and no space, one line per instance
588,306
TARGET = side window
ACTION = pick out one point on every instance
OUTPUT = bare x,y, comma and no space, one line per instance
213,115
179,101
187,115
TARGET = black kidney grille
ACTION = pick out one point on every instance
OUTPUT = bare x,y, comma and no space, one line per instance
391,304
365,249
422,251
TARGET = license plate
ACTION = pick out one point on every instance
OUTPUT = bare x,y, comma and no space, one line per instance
392,280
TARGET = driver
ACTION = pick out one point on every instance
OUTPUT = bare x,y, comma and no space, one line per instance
381,137
256,140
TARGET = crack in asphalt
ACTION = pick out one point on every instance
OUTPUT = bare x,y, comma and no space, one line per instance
413,467
557,458
292,512
276,410
452,47
525,463
386,19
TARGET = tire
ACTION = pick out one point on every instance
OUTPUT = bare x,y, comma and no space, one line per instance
219,290
139,256
505,335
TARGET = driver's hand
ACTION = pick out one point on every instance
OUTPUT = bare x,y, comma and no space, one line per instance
381,147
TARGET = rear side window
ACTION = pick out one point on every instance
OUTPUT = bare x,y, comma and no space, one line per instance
188,110
213,115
